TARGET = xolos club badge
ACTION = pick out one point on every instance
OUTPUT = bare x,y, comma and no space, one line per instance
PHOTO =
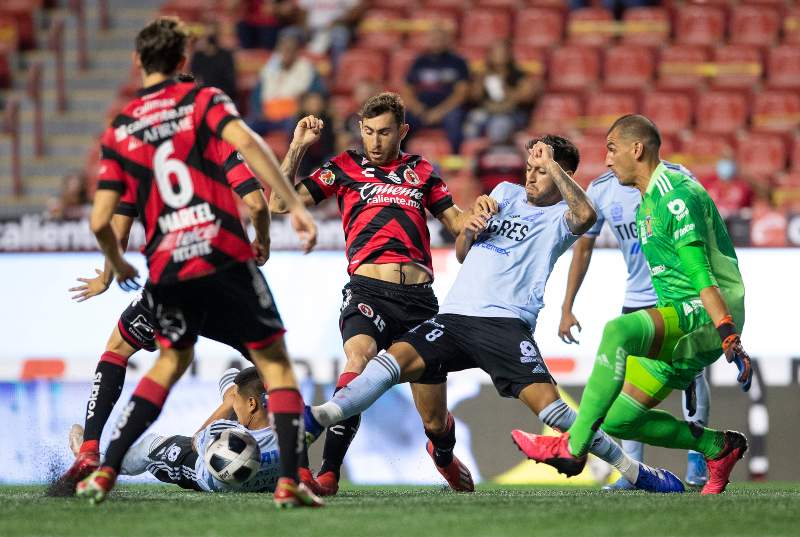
366,310
327,177
411,177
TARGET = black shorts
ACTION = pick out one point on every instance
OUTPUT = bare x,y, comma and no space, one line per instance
137,326
174,461
632,309
382,310
501,346
234,303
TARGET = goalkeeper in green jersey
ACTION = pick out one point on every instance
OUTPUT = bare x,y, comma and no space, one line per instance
645,355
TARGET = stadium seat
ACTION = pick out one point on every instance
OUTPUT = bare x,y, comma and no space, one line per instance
721,112
379,29
278,142
776,111
341,106
602,109
473,146
680,66
356,65
400,62
795,157
21,11
556,113
509,4
191,11
573,67
593,156
432,144
475,57
737,66
671,112
783,67
754,25
699,25
789,179
760,155
248,64
791,26
424,19
626,67
391,4
531,60
538,27
648,26
592,26
701,151
480,27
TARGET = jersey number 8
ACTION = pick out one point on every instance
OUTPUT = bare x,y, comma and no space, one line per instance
164,166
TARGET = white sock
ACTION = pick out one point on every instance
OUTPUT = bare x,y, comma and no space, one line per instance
558,415
381,373
137,458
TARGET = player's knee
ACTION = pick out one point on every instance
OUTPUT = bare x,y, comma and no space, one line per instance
620,423
356,362
434,422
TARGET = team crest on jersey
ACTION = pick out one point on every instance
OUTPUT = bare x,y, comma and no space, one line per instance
327,177
411,177
616,212
366,310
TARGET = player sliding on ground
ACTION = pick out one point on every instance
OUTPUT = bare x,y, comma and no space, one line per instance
616,205
489,315
700,315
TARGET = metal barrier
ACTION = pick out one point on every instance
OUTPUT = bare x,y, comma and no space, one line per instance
56,44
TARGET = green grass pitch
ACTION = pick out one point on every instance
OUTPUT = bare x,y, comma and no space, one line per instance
761,510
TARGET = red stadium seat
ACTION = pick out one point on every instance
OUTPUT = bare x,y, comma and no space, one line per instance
22,12
738,66
754,25
424,19
590,26
700,152
602,109
593,156
699,25
783,67
497,3
538,27
648,26
400,62
556,113
626,67
248,64
720,112
760,155
790,179
680,66
278,142
356,65
188,10
776,111
791,26
379,29
480,27
342,106
671,112
432,144
391,4
473,146
795,158
531,60
573,68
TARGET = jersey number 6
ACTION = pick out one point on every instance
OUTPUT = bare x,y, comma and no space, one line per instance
164,166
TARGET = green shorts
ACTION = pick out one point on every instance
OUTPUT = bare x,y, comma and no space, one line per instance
691,343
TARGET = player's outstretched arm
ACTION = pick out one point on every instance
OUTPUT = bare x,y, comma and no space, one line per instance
105,202
581,257
306,134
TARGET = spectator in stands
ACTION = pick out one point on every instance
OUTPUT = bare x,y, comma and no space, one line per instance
315,104
730,191
329,24
73,202
284,79
437,88
262,20
213,65
501,91
350,130
502,160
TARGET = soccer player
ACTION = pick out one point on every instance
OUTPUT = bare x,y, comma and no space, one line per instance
383,195
489,316
616,205
162,146
646,354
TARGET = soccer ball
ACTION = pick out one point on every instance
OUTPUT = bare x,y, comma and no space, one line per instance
234,457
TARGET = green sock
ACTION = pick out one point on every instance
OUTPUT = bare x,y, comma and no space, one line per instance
631,420
630,334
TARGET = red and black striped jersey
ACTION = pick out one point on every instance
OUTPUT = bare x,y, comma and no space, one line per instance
383,207
165,155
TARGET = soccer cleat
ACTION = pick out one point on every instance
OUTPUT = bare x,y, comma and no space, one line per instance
96,487
328,483
307,478
289,494
719,469
85,463
456,473
658,480
552,450
619,484
696,470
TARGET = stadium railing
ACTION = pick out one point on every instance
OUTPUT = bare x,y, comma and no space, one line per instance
34,91
10,125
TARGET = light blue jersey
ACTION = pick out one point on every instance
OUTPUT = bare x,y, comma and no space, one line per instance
616,205
505,271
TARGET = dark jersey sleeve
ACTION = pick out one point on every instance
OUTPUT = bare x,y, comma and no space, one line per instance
237,172
322,184
110,176
219,111
438,199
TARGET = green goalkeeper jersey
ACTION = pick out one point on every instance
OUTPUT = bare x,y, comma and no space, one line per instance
676,211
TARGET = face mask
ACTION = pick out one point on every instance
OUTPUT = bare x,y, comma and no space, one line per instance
726,169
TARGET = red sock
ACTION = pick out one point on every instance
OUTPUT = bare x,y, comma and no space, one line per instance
90,446
345,379
286,409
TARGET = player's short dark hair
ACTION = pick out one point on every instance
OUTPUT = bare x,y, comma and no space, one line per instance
384,102
640,128
161,45
564,151
249,383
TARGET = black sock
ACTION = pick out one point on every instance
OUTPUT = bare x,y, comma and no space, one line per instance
286,408
140,412
109,378
443,443
337,441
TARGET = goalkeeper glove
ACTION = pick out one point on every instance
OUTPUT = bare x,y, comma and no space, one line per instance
734,352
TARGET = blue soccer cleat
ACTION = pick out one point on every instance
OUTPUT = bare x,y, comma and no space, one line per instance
312,426
619,484
696,469
658,480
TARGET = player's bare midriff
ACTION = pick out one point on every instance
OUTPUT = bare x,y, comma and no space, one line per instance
402,273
